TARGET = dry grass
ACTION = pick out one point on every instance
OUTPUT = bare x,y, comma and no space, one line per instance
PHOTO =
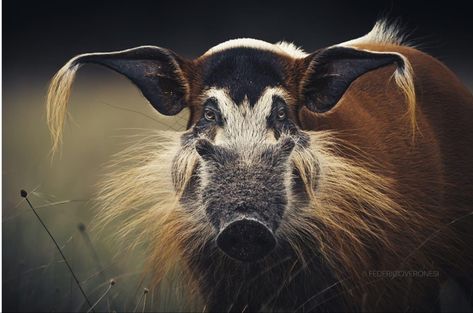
35,277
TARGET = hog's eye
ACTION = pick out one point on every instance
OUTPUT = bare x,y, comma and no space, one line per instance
209,115
281,114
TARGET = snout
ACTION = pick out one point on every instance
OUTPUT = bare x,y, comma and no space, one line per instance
246,240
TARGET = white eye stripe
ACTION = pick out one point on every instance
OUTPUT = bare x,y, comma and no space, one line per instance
245,125
228,107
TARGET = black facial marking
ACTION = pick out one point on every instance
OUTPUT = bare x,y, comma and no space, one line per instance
275,122
244,72
213,153
207,126
212,104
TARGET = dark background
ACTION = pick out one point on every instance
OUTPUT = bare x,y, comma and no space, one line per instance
40,36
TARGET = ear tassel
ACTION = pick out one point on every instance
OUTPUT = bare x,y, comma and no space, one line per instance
58,96
155,71
404,79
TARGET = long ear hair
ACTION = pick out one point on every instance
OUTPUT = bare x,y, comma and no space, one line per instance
158,73
57,99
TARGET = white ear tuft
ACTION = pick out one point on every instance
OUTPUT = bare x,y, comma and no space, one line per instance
58,96
384,32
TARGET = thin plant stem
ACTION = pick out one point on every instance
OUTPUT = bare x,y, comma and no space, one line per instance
143,295
144,299
83,230
24,194
110,285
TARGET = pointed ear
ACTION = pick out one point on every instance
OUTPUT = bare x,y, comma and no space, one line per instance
159,73
329,73
155,71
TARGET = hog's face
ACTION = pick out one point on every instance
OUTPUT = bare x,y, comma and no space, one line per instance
244,180
244,163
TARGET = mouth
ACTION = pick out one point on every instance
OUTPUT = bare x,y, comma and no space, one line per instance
246,240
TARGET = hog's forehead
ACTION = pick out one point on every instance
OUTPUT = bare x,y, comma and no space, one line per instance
244,72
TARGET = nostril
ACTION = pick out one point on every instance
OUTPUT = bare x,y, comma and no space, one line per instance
246,240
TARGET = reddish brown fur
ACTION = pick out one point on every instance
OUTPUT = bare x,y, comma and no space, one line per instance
433,174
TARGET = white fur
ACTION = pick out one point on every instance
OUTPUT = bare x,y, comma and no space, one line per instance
245,126
382,33
281,47
291,49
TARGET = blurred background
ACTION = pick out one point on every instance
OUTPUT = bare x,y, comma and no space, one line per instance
40,36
